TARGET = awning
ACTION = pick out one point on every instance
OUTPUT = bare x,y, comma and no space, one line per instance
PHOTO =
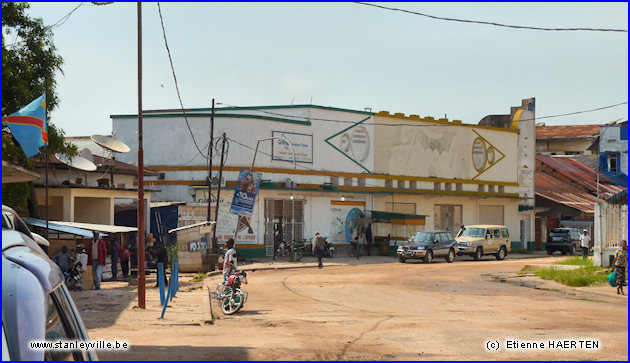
53,226
12,173
398,218
98,227
200,224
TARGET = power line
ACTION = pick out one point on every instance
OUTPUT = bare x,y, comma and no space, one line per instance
492,23
308,118
176,84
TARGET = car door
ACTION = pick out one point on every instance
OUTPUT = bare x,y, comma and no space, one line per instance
506,237
494,241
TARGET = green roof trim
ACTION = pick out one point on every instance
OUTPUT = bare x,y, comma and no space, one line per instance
387,216
216,115
329,108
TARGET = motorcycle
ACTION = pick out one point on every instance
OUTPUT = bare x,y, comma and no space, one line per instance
285,248
329,250
74,278
230,295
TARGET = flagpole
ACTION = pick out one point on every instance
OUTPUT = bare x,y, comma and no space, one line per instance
45,123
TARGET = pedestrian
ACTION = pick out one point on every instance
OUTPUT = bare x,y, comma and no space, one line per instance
64,260
124,255
229,260
82,258
368,238
585,243
619,266
97,250
318,248
114,255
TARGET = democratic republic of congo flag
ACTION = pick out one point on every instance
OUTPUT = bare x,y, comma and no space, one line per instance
28,126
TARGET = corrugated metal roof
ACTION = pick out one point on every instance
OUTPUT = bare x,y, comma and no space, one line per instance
165,204
581,175
98,227
200,224
558,191
58,227
567,132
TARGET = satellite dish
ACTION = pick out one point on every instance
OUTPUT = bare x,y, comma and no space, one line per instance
110,143
86,154
77,162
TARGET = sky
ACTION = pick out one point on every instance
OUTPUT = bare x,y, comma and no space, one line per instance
342,55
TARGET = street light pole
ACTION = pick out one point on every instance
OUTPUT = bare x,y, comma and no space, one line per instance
141,277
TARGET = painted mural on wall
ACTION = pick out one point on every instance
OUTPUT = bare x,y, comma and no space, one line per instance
346,218
355,143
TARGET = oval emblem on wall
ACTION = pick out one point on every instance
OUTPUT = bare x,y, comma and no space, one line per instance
479,154
360,143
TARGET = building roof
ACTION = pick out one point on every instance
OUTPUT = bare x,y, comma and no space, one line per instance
560,192
54,226
579,174
102,165
12,173
98,227
567,132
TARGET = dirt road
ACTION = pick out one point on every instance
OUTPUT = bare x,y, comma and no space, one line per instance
390,311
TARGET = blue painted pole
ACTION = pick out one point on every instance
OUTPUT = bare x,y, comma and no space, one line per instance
168,296
161,281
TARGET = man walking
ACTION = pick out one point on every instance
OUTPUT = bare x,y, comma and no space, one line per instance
229,260
64,260
98,251
368,238
318,248
124,255
585,243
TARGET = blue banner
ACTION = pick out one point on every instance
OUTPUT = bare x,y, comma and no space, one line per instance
245,194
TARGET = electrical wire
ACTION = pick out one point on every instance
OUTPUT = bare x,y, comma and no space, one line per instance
307,118
492,23
176,84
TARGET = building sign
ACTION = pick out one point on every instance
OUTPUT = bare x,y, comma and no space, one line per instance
354,142
245,194
302,144
484,154
346,221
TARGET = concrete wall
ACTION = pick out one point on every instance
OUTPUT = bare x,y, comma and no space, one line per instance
93,210
524,118
58,175
562,146
615,140
611,226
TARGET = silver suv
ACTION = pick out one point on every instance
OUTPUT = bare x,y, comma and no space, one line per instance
36,304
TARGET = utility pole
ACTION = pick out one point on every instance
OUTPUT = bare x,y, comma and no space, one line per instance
141,277
216,213
210,147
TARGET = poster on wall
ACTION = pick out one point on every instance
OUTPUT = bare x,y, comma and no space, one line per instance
345,220
301,144
245,194
227,223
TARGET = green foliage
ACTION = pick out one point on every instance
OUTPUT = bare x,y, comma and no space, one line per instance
15,195
585,276
575,261
171,250
200,277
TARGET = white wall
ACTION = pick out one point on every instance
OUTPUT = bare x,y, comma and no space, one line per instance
611,142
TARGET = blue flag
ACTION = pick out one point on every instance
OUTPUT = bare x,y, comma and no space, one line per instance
28,126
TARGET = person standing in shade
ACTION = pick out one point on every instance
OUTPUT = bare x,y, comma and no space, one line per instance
64,260
368,238
98,251
82,258
229,260
585,243
114,258
318,248
124,255
619,265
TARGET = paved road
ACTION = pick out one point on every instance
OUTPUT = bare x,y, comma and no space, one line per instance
388,311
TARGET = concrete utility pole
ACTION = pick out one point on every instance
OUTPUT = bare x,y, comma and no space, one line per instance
141,277
216,213
210,147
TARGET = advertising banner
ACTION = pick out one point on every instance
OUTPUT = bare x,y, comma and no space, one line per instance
345,220
245,194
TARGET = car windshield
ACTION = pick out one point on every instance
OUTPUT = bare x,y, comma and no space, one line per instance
473,232
422,238
559,232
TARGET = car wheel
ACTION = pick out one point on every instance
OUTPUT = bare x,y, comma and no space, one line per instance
564,252
572,250
550,252
501,254
451,256
428,257
401,259
478,254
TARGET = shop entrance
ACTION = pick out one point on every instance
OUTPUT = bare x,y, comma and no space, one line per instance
284,219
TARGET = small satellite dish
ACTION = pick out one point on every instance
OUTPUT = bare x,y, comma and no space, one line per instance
77,162
86,154
110,143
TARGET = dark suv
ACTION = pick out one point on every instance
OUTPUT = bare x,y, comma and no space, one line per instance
565,240
429,244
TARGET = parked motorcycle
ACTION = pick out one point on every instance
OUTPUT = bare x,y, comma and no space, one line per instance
284,249
230,295
74,278
329,250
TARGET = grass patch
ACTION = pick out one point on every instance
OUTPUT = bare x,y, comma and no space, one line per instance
520,250
585,276
576,261
200,277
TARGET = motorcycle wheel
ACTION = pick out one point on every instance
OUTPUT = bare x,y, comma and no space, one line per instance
232,303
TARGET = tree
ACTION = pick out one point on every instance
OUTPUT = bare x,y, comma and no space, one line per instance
29,63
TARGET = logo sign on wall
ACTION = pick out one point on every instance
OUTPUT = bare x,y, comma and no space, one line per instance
302,144
354,143
245,194
484,154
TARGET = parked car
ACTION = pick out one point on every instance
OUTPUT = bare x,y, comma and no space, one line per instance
565,240
480,240
36,304
428,245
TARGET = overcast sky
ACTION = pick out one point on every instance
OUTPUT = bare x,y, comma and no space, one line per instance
342,55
